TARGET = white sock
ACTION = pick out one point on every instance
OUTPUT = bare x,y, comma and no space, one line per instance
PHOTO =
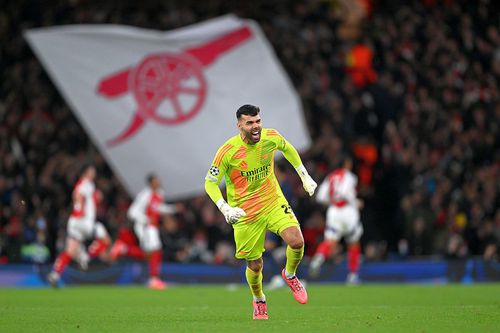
317,260
260,299
289,275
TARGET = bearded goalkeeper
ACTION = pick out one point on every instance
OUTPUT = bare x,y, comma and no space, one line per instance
255,200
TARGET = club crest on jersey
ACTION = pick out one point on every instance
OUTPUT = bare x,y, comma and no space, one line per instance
214,171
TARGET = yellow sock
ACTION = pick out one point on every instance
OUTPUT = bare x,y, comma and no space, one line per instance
293,258
254,280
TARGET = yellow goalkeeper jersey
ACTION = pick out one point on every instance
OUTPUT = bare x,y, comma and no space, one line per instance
248,170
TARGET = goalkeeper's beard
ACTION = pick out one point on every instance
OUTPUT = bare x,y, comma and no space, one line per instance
253,138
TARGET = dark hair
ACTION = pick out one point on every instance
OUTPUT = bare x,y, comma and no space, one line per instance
85,167
343,158
149,178
247,110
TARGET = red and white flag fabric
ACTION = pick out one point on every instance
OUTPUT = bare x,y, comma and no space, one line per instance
163,102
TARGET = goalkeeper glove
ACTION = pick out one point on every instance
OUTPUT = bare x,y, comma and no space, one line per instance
232,214
308,183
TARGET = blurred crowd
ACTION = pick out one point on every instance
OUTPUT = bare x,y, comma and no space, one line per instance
410,88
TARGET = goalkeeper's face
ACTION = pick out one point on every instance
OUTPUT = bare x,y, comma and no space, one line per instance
250,128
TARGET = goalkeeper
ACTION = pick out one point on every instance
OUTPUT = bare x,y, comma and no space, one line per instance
255,202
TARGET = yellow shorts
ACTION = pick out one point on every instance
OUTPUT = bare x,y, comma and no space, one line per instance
250,237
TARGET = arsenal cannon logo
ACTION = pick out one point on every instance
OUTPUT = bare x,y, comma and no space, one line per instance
172,79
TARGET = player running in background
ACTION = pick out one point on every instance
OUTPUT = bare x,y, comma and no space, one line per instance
126,245
82,225
146,212
255,200
338,190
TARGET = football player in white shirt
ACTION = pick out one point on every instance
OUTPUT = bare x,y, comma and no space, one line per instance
82,225
338,191
146,212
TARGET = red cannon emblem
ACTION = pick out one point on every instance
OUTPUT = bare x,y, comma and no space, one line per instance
167,77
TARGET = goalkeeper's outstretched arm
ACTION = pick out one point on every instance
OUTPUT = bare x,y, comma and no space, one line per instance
231,214
293,157
213,190
212,180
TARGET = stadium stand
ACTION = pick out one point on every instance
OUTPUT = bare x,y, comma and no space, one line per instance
410,88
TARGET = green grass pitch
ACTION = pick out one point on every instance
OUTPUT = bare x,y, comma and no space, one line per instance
331,308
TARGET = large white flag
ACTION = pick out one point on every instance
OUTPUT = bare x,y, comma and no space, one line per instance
164,102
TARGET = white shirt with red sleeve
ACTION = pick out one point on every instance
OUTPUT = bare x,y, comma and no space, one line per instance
87,210
148,206
338,189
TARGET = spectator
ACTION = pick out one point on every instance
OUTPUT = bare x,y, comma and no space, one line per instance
431,118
